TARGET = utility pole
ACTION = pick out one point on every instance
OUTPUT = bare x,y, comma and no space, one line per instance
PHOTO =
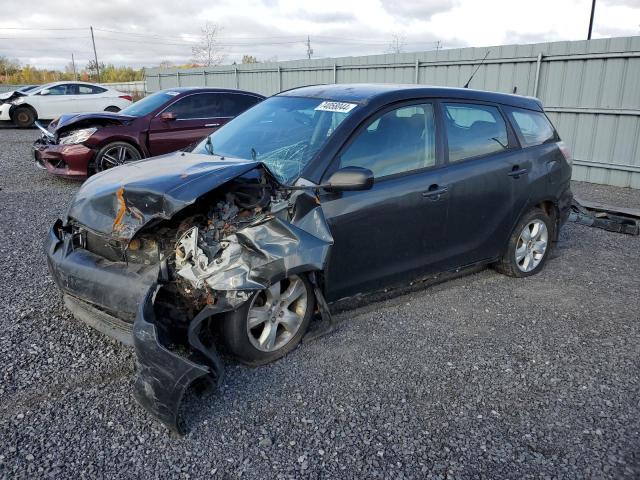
95,55
309,49
593,9
73,65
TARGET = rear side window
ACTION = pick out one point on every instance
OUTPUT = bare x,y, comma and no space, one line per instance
233,104
399,141
199,105
90,89
533,128
474,130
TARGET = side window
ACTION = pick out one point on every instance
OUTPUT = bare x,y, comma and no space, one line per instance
398,141
89,89
233,104
199,105
534,128
64,89
474,130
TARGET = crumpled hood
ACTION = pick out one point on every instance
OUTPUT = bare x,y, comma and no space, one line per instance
120,201
70,119
12,95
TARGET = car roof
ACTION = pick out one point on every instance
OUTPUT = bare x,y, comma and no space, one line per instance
210,89
364,93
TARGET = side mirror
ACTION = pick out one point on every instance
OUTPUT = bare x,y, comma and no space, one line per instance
168,116
349,179
44,92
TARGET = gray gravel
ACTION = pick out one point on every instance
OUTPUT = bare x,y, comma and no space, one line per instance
481,377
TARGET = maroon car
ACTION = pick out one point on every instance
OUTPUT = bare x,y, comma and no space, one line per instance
79,145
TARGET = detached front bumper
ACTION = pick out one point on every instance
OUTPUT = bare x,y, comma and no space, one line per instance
101,293
63,160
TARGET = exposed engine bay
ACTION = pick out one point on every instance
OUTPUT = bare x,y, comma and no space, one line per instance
206,257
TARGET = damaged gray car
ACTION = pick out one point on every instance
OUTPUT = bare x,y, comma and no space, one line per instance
316,195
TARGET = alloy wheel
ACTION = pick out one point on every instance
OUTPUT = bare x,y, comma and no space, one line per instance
115,156
532,245
276,314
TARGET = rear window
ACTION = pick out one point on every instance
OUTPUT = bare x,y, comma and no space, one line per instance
474,130
533,128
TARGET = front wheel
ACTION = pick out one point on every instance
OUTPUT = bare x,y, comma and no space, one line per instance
271,323
115,154
529,245
24,117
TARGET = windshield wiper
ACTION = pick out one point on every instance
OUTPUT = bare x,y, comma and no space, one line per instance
254,154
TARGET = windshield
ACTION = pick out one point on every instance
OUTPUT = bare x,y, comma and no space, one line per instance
148,104
283,132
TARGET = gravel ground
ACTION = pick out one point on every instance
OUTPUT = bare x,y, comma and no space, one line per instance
481,377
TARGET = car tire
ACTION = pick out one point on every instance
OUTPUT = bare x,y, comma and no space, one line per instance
529,245
112,109
24,117
115,154
257,333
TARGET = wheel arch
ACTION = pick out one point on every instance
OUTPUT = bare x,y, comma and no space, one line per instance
104,143
22,105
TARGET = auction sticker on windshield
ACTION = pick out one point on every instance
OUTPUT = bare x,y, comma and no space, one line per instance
342,107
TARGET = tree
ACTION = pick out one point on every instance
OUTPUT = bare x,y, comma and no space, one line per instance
92,70
8,67
249,59
165,64
209,52
397,43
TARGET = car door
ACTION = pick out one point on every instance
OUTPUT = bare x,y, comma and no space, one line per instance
396,229
90,98
195,116
486,177
60,99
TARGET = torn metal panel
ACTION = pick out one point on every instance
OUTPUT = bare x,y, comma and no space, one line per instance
118,203
163,375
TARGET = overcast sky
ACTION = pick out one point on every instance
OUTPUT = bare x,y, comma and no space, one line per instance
45,33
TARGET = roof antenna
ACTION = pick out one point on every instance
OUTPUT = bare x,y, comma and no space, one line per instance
466,85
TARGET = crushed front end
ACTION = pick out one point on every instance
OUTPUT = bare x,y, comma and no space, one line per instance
171,264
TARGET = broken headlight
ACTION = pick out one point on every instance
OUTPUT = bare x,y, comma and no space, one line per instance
77,136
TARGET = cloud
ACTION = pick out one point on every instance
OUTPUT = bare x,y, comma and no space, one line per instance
129,33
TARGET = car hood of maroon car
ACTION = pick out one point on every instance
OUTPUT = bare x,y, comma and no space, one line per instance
80,120
120,201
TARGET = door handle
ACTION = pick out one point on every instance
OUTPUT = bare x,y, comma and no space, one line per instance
516,171
211,124
435,191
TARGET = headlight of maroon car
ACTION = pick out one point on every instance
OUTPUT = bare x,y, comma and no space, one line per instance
77,136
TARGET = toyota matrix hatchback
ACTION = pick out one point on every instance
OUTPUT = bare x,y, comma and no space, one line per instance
315,195
79,145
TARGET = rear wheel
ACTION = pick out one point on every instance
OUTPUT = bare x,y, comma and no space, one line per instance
272,323
112,108
115,154
24,117
529,245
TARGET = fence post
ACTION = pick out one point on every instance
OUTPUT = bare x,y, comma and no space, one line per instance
279,79
159,81
237,78
417,71
204,73
537,80
335,73
178,77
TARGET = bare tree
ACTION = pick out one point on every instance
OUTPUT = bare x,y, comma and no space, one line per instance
166,64
397,43
209,52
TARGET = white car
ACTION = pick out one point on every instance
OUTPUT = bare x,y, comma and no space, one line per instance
54,99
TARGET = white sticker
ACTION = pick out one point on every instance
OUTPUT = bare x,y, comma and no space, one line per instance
341,107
